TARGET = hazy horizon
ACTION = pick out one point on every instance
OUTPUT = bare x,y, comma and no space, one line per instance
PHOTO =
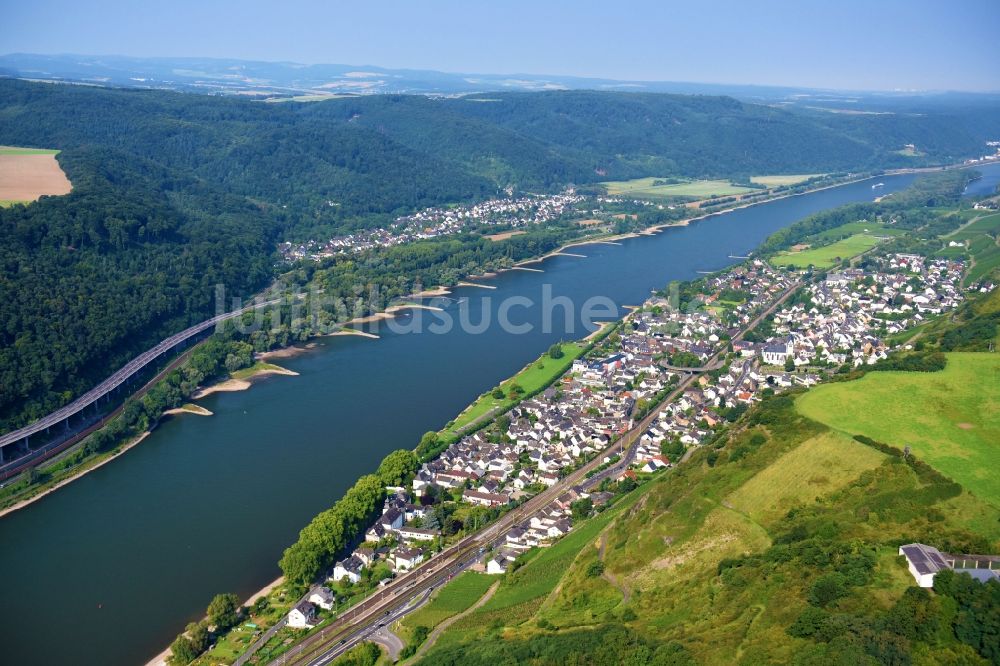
917,46
555,75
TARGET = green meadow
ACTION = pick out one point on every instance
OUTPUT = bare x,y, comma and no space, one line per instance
950,418
539,374
828,255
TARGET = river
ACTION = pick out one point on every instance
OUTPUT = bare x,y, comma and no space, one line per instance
110,568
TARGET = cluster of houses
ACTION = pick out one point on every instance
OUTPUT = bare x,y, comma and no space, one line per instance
849,313
433,222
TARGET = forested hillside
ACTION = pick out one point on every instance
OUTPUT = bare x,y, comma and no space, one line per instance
173,193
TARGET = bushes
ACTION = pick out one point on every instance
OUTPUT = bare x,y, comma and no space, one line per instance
932,361
826,589
605,645
974,335
366,654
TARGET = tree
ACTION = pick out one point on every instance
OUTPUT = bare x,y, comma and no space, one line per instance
789,364
498,393
223,611
581,508
556,351
398,468
199,636
595,569
182,651
261,605
827,588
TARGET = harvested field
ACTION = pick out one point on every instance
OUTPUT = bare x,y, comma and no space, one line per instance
26,174
505,235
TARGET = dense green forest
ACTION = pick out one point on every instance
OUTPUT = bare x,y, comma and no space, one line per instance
175,193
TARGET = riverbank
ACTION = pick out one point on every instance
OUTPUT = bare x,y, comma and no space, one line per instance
188,409
78,472
235,383
241,380
388,313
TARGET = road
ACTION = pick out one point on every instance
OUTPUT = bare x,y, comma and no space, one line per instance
123,374
399,596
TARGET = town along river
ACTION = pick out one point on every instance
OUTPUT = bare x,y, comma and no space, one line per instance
108,569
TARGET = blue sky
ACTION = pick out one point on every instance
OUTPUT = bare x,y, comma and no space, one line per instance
880,44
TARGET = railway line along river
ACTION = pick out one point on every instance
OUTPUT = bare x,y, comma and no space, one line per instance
110,568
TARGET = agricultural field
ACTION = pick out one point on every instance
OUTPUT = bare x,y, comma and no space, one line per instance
504,235
950,418
698,189
532,378
778,181
28,173
827,255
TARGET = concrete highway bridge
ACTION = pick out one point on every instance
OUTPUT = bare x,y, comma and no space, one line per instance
16,447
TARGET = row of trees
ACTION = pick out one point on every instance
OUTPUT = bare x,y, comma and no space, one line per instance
332,531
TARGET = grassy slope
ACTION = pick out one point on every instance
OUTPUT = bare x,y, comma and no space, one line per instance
531,378
819,466
949,418
981,240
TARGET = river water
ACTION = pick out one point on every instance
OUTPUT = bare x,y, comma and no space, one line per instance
110,568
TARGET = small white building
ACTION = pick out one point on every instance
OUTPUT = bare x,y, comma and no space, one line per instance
349,569
407,558
923,562
496,565
322,597
303,616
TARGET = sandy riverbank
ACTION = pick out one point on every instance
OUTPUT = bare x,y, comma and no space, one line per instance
73,477
390,312
474,284
188,409
602,326
352,331
285,352
242,383
427,293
